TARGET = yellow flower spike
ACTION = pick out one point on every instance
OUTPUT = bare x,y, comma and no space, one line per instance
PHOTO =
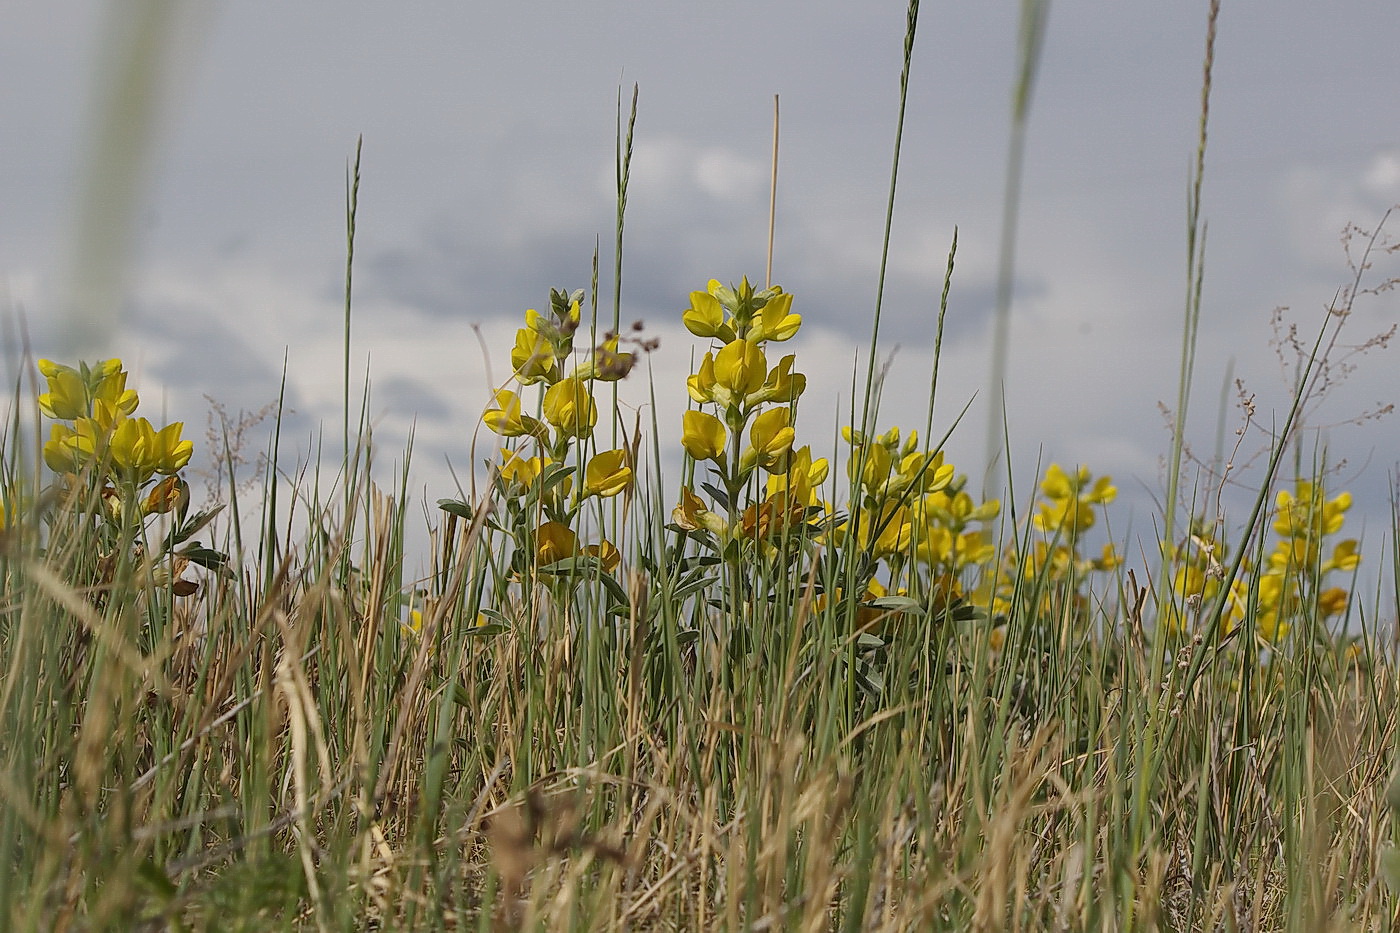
771,437
507,420
532,357
608,555
554,542
75,393
607,474
741,368
703,436
570,408
776,321
781,385
705,317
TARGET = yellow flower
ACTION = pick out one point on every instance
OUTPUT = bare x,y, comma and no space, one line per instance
873,471
68,450
507,420
607,474
740,368
67,398
608,555
532,357
570,408
1344,556
74,393
520,473
801,478
782,385
703,436
554,542
1332,601
705,317
776,322
139,451
771,437
702,385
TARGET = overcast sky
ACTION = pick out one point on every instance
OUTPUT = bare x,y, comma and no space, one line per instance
488,178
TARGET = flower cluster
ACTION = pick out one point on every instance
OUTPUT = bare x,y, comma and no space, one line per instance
551,471
95,433
742,398
1289,584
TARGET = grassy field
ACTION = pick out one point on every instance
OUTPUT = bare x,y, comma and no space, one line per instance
793,688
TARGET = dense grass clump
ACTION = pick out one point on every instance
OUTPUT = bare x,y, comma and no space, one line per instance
791,688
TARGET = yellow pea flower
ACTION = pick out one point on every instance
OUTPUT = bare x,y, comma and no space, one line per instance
139,451
608,555
801,478
69,449
703,386
771,437
776,322
67,398
703,436
570,408
1332,601
532,357
554,542
874,471
507,420
520,473
705,317
1344,556
607,474
741,368
74,393
781,385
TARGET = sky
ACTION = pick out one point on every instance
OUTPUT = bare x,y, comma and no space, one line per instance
488,177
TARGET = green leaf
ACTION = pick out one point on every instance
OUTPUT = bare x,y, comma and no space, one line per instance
456,507
895,604
207,558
